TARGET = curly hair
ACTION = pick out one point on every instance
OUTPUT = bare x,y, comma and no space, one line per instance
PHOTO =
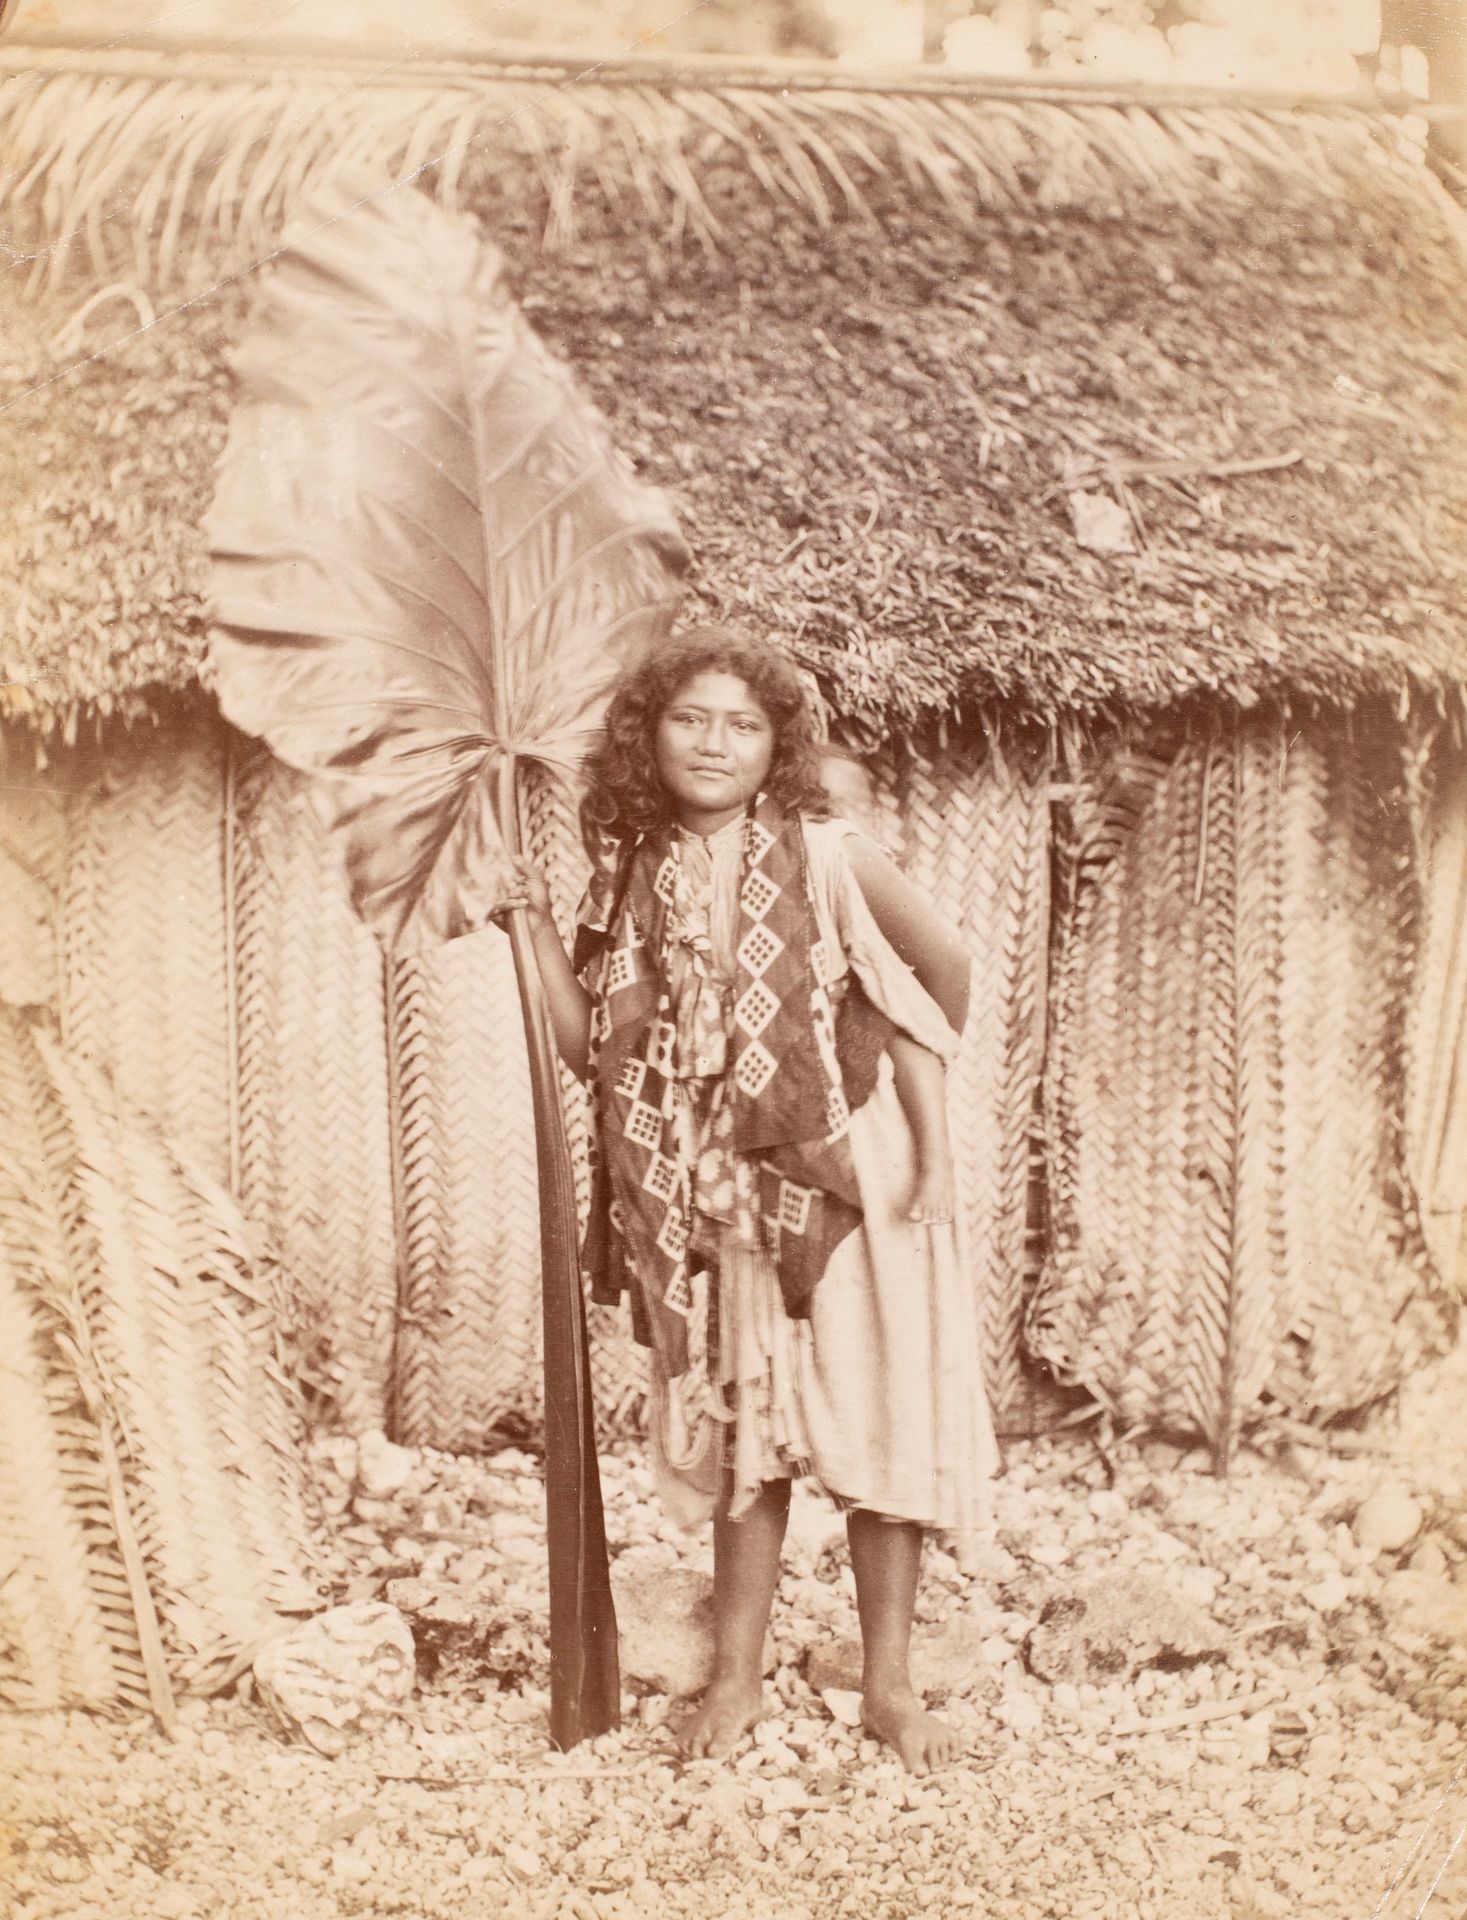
625,797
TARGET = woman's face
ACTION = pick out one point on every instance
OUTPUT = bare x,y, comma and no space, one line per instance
714,745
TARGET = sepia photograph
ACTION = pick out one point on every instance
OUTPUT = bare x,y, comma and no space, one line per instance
733,959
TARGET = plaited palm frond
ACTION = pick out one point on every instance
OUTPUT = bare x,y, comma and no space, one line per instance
977,841
164,1435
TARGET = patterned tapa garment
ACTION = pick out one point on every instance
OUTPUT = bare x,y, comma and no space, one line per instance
719,1102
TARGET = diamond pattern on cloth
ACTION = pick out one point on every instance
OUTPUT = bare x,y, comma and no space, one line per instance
754,1009
629,1080
758,950
621,971
758,894
755,1069
794,1206
665,884
663,1176
672,1237
761,835
679,1295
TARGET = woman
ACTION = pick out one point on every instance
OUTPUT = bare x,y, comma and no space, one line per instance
742,962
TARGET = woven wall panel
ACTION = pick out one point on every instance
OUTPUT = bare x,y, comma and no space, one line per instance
1356,1301
33,829
143,986
314,1166
1133,1301
1436,1106
1232,1222
470,1334
171,1445
1341,960
977,841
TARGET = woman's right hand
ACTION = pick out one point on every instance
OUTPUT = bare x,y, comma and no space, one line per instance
527,888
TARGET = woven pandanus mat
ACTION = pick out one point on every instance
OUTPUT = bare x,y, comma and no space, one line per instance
469,1332
1231,1224
313,1159
975,837
1436,1104
33,828
163,1529
143,957
1326,1182
1139,1101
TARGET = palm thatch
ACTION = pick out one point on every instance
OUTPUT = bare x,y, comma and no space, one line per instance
1070,401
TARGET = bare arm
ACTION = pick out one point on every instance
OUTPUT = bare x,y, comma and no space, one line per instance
568,1001
921,1084
931,947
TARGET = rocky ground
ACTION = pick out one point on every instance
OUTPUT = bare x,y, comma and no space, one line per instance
1183,1698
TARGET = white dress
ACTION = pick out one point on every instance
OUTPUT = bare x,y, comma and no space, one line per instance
878,1395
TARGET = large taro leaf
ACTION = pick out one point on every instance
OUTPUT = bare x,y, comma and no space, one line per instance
429,560
427,554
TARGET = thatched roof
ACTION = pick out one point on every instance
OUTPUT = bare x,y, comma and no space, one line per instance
1071,401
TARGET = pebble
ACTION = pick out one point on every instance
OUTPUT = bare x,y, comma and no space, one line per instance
844,1704
1430,1558
1388,1519
1329,1594
1020,1713
382,1468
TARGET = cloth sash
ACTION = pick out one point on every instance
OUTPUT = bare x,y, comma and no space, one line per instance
793,1074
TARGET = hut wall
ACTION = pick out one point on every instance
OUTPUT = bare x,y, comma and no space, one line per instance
175,902
1226,1050
1232,1221
66,1634
1436,1106
469,1337
32,866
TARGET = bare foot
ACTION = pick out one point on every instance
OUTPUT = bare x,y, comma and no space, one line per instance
725,1713
899,1718
933,1196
